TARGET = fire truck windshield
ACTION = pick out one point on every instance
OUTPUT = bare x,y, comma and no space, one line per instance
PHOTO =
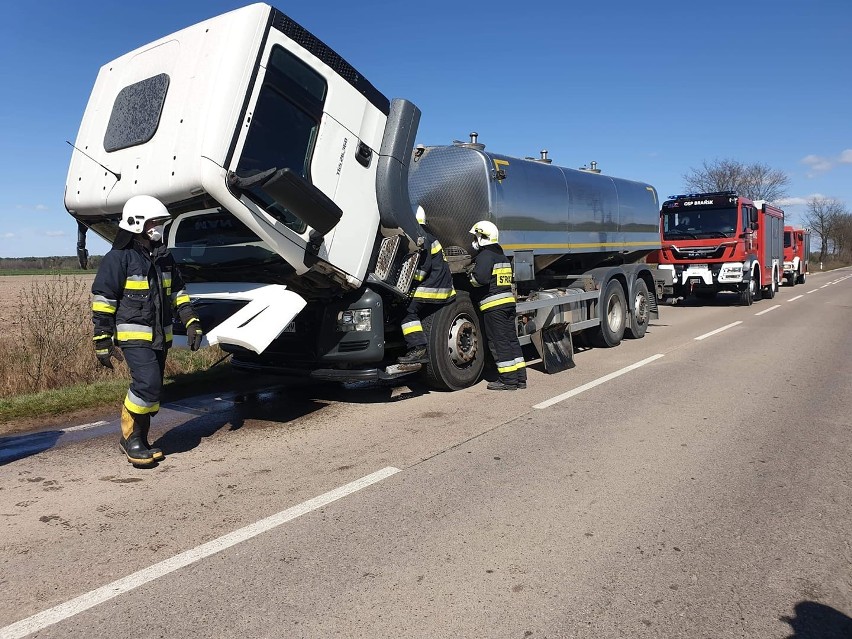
698,224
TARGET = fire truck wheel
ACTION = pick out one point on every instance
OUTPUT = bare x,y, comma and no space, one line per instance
641,314
801,278
613,314
456,349
769,291
791,280
747,294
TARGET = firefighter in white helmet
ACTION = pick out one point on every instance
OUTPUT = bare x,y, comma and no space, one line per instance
434,288
135,293
492,272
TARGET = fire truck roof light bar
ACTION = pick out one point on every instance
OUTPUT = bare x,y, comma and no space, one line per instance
684,195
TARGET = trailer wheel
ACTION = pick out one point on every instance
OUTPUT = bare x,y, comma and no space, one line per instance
613,315
456,349
641,311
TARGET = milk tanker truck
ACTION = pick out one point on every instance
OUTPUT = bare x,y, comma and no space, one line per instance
292,184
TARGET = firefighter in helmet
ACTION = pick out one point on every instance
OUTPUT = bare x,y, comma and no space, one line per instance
135,293
434,289
491,269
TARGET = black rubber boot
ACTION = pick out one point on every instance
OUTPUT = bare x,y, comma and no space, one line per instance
500,386
131,443
416,355
144,422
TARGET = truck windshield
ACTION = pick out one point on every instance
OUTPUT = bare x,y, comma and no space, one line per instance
696,224
283,127
788,239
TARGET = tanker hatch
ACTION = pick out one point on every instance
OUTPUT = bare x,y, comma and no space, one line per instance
473,144
592,168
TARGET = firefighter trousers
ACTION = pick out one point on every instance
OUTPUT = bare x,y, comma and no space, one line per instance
412,329
147,367
503,341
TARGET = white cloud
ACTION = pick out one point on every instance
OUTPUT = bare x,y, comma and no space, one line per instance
821,164
40,207
797,201
8,236
55,233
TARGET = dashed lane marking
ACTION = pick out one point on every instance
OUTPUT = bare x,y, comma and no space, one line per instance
91,599
813,291
597,382
793,299
718,330
771,308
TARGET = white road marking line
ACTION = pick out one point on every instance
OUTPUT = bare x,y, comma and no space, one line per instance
718,330
824,285
84,426
813,291
82,603
793,299
597,382
771,308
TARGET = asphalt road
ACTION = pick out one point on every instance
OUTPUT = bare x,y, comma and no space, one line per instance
693,483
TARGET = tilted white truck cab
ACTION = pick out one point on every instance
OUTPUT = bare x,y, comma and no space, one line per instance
287,176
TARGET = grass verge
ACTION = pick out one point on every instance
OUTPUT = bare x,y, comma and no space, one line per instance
19,412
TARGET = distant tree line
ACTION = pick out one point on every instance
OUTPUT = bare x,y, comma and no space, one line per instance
831,224
47,264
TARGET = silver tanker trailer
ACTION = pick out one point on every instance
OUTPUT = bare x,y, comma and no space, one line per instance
292,184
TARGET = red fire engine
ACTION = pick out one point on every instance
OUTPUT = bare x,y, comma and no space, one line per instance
797,253
721,242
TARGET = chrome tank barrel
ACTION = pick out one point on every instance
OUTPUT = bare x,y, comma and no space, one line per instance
538,207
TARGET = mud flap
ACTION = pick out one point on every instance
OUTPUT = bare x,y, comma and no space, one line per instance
555,346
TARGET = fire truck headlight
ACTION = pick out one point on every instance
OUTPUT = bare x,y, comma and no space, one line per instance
359,319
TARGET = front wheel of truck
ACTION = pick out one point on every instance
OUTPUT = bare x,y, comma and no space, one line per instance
456,345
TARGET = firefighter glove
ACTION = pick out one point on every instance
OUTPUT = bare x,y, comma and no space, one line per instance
105,350
194,334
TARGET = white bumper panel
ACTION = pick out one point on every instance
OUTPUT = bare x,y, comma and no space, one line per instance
270,309
701,272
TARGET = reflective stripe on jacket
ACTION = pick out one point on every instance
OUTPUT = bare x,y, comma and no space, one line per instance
433,277
134,297
492,269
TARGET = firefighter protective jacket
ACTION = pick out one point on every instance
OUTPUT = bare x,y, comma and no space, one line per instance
492,269
134,295
433,277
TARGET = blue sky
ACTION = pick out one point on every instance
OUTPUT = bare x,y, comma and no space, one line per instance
648,90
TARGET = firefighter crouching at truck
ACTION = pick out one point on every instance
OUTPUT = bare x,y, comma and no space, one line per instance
434,289
491,268
134,293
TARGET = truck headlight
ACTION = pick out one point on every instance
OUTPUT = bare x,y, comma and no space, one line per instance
359,319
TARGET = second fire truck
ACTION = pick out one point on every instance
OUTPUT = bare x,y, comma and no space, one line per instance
721,241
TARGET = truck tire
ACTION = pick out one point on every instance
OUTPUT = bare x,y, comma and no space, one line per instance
791,279
613,316
706,294
769,291
456,345
747,294
800,279
641,314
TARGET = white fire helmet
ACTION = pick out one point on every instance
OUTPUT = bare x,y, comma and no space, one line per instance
485,233
140,209
420,215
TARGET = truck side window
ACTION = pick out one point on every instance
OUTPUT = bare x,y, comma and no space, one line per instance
284,127
136,113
